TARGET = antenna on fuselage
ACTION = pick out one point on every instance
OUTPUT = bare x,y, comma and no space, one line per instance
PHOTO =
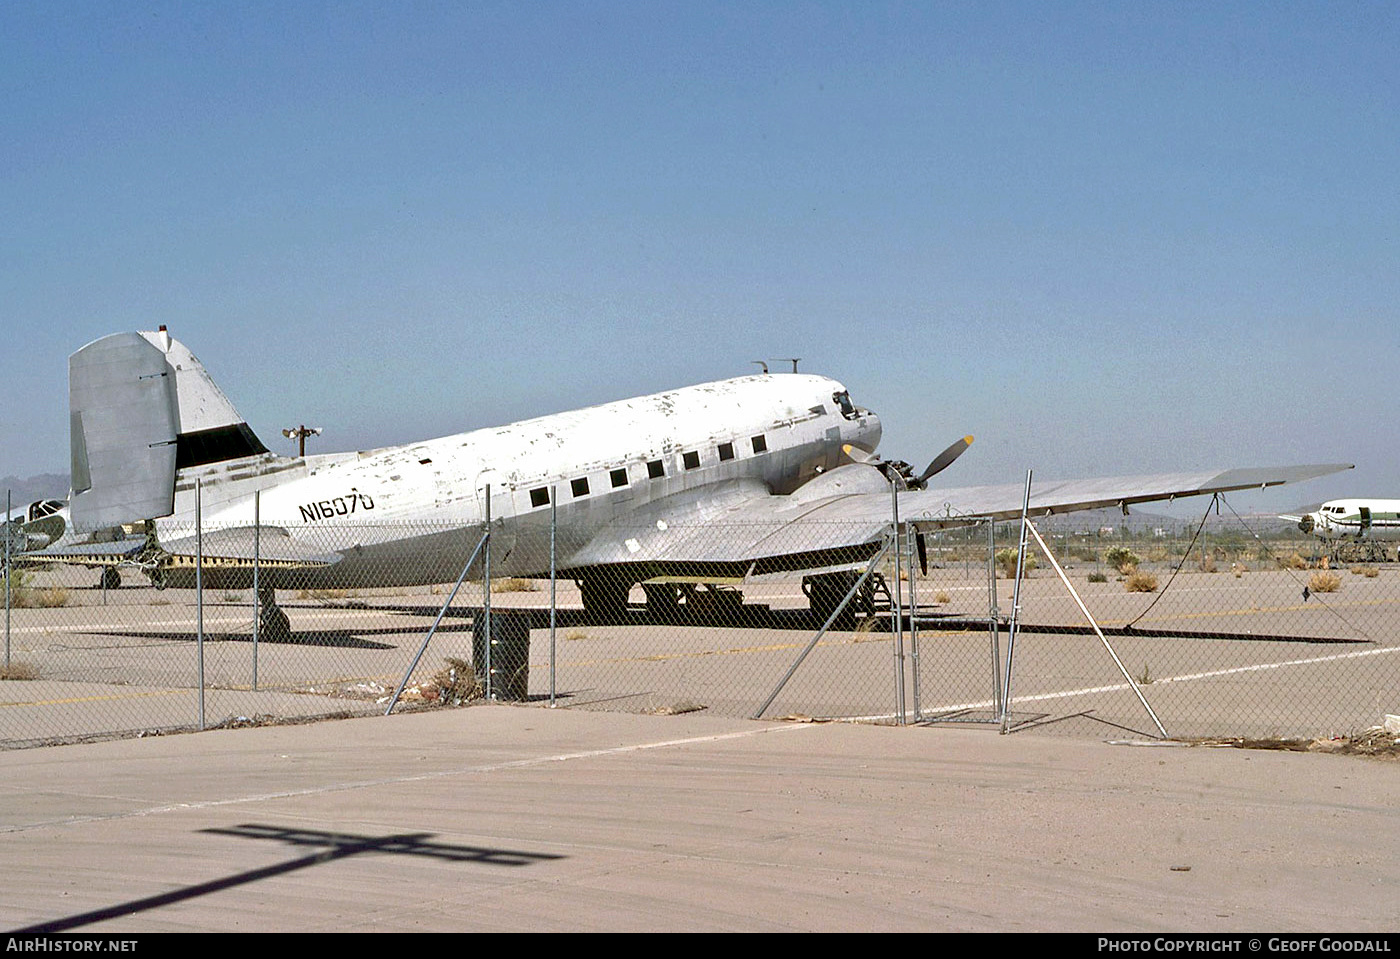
789,359
762,364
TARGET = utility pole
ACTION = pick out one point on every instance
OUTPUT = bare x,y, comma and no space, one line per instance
300,433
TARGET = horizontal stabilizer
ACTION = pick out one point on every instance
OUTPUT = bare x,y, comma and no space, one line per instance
226,548
231,548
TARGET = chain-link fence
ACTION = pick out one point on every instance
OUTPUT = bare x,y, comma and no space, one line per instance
1220,634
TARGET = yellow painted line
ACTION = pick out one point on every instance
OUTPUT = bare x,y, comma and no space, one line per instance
739,650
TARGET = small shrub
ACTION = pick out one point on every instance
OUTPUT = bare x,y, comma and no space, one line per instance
1292,562
1122,559
1370,572
19,671
1006,562
1206,564
1139,582
48,598
35,597
513,584
942,598
1098,578
1324,582
457,682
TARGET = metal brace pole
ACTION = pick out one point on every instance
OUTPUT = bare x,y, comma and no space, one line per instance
1103,639
870,568
485,537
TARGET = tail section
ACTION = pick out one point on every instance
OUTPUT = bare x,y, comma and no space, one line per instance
142,407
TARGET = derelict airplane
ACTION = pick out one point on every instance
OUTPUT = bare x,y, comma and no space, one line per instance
1352,519
721,481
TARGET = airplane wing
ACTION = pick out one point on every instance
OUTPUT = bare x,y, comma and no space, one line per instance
737,528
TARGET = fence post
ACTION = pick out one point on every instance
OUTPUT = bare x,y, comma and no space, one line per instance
8,576
486,591
1015,608
912,546
199,589
553,580
257,606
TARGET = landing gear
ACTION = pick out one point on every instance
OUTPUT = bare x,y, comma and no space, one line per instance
825,591
273,625
663,602
604,597
111,578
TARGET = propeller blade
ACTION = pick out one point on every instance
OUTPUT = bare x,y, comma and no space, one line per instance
860,455
944,460
923,552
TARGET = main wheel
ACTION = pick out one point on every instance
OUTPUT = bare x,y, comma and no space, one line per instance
604,597
111,578
825,592
273,625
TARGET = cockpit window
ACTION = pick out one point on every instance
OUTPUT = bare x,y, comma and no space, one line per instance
843,400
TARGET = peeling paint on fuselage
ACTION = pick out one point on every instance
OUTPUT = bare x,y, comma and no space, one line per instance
361,504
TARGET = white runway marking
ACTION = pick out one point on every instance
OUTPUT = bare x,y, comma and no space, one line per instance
417,777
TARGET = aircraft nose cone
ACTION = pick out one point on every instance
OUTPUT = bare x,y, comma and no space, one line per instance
871,432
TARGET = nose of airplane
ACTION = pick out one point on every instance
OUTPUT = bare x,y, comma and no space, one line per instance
870,432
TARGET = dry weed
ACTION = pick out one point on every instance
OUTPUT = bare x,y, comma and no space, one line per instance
19,671
1139,582
1324,582
513,584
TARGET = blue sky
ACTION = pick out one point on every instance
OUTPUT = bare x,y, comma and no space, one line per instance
1103,238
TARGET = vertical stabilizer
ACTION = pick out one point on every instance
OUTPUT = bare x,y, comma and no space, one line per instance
141,408
209,429
122,432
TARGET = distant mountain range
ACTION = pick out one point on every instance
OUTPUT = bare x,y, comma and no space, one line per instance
28,489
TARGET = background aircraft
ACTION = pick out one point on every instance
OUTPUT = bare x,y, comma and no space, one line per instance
1357,528
716,482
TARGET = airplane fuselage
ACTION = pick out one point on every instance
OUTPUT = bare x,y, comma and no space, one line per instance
1355,519
407,513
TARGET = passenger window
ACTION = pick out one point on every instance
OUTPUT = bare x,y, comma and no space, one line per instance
690,460
619,478
539,496
726,451
655,470
760,444
580,486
